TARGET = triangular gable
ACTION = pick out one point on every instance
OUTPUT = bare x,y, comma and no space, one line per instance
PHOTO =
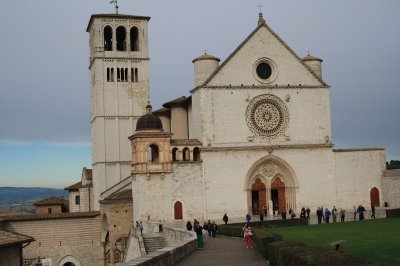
213,76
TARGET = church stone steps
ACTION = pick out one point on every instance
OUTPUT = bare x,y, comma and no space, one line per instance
153,242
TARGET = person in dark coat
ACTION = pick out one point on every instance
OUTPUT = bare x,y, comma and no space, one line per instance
327,215
225,218
209,228
303,213
214,229
360,211
261,217
248,218
319,215
199,232
372,211
283,214
308,211
189,226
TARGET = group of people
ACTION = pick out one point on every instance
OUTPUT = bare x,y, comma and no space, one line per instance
208,227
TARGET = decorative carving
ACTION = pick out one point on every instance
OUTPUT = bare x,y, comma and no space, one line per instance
268,169
267,116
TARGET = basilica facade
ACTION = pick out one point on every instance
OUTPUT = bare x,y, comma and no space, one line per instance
254,131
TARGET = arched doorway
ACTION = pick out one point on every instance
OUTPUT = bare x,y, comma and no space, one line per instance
178,211
69,261
278,195
280,184
258,196
374,196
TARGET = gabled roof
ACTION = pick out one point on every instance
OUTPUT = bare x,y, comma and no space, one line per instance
74,187
261,25
51,201
12,239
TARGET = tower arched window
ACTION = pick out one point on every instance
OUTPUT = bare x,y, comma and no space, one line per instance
196,154
134,34
153,154
174,153
121,38
108,38
186,154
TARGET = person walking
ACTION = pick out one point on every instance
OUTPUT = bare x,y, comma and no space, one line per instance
209,228
248,218
261,217
225,218
247,236
199,232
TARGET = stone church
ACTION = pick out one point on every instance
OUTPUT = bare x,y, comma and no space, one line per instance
254,131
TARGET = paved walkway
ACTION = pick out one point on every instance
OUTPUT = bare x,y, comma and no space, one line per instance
224,251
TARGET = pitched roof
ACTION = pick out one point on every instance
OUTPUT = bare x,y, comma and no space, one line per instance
12,239
261,25
64,215
51,201
74,187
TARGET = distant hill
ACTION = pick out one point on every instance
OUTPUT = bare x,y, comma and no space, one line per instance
27,195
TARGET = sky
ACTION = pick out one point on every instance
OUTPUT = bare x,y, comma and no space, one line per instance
44,76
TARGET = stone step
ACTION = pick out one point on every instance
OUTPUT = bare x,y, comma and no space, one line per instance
153,243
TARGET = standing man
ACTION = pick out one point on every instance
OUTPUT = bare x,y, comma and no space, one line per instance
225,218
199,232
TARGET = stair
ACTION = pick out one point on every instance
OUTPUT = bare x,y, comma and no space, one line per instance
153,242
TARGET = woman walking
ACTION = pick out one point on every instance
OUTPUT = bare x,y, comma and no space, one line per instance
247,235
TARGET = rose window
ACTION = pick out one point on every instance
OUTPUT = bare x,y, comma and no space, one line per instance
267,116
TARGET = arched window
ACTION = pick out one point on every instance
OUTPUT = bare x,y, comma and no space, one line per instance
121,38
196,154
186,154
77,200
134,39
107,38
153,154
174,152
178,213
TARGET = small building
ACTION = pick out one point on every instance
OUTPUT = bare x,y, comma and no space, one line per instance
81,193
52,205
11,245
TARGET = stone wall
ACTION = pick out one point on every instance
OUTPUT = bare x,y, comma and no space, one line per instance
357,171
391,185
56,238
10,256
154,195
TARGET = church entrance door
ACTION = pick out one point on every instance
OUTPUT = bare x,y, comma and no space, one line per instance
278,195
258,196
374,195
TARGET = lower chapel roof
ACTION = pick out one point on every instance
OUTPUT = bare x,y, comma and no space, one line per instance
12,239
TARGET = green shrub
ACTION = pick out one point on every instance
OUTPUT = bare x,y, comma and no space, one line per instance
393,213
261,239
230,230
319,256
274,250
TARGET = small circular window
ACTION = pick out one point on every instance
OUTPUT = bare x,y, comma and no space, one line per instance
264,70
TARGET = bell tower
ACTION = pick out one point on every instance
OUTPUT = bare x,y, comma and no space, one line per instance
119,69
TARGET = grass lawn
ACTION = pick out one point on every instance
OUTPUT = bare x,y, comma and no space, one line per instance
378,240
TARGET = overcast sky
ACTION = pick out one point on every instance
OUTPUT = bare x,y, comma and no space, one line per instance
44,76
